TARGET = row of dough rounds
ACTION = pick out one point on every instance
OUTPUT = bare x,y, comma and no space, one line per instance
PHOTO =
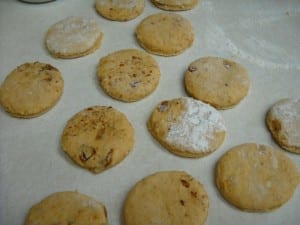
130,75
127,75
251,177
162,34
165,34
124,10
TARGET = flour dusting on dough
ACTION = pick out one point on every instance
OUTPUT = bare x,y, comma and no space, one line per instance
196,126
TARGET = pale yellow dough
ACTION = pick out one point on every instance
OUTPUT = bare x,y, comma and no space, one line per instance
66,208
98,138
31,89
128,75
167,197
119,10
165,34
256,177
219,82
175,5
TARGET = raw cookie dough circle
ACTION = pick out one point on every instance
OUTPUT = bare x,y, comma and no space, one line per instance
283,121
67,208
165,34
168,197
128,75
256,177
98,138
73,37
31,90
119,10
187,127
217,81
175,5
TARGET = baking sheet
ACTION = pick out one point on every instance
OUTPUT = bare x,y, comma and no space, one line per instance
261,35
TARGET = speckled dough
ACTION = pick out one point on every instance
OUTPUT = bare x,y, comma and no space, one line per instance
256,177
128,75
283,121
169,198
31,89
98,138
73,37
68,207
217,81
175,5
187,127
165,34
119,10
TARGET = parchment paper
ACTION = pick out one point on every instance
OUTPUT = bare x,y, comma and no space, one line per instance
261,35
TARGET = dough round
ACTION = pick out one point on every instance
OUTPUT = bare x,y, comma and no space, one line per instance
169,198
128,75
73,37
165,34
175,5
283,121
187,127
119,10
256,177
31,90
98,138
68,207
220,82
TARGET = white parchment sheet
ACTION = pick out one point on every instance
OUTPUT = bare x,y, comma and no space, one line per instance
263,36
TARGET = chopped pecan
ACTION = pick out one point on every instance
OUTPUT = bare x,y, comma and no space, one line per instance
100,133
108,158
194,194
185,183
192,68
86,152
48,79
134,83
136,57
163,106
49,67
226,64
